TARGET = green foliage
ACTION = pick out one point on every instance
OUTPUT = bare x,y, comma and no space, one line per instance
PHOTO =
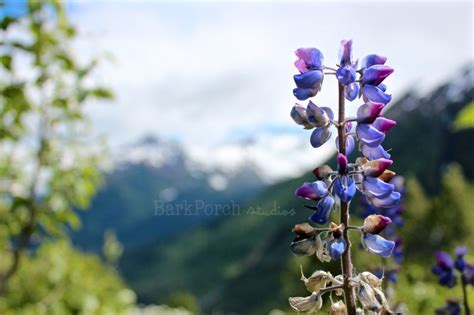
49,166
465,118
185,300
58,279
243,263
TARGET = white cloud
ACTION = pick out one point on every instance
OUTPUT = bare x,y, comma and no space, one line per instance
202,72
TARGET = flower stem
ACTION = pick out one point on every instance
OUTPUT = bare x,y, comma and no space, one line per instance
467,309
346,256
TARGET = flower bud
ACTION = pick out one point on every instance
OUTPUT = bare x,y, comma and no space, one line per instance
375,74
375,168
322,171
367,113
309,304
303,246
384,124
342,163
298,113
316,281
317,116
375,223
304,230
373,59
367,298
338,308
387,176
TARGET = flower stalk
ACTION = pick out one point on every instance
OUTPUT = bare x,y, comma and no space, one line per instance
346,260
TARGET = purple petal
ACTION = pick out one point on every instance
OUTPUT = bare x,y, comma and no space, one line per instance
312,191
444,260
317,116
345,188
369,135
374,94
308,84
388,202
375,168
376,74
350,144
460,250
323,210
346,75
336,248
352,90
345,52
384,124
376,244
298,113
373,153
376,188
367,113
319,137
329,112
373,59
342,163
309,59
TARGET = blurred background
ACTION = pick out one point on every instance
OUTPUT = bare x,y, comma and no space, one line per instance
148,160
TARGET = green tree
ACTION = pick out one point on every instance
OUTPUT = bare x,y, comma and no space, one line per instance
49,160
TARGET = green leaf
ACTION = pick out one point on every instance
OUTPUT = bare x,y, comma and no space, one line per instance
6,62
465,118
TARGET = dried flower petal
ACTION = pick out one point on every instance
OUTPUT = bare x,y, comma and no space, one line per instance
309,304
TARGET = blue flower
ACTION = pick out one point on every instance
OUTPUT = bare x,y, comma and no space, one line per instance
323,210
319,117
444,269
345,188
451,308
312,191
378,245
346,73
310,79
459,263
336,248
373,73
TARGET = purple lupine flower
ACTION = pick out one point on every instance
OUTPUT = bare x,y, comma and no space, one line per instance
312,191
374,72
371,60
444,269
310,79
319,117
346,73
323,210
373,153
398,250
452,307
368,112
298,113
378,245
317,191
459,263
336,248
344,185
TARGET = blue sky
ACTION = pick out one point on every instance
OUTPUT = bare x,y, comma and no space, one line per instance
211,73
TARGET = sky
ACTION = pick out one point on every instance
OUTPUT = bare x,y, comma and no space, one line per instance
214,75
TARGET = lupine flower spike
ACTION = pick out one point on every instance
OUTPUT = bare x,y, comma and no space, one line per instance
333,190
